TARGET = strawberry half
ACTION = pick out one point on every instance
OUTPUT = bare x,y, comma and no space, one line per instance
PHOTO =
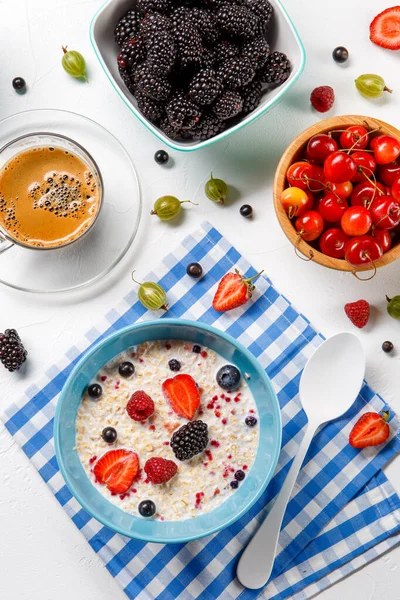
233,291
183,395
385,29
117,469
370,430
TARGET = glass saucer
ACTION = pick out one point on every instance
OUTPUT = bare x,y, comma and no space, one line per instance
88,259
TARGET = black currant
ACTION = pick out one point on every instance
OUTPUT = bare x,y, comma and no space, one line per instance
126,369
174,364
18,84
340,54
387,346
161,157
95,390
250,421
234,484
240,475
109,435
246,211
196,349
147,508
194,270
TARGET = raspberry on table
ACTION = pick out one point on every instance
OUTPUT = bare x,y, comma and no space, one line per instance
322,98
140,406
12,351
160,470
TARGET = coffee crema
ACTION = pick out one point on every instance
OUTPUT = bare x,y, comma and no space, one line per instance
48,197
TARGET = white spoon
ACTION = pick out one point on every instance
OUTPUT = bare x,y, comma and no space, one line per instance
329,385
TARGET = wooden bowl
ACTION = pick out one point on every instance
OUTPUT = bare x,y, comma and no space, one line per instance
295,152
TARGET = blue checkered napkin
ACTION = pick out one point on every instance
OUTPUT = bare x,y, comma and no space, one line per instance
344,511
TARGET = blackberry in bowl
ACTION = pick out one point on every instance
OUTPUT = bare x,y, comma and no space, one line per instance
186,56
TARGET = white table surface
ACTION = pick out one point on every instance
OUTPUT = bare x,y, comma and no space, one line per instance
43,556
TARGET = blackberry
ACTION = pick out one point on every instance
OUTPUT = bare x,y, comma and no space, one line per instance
251,95
127,27
153,24
257,52
182,113
262,9
276,70
151,83
161,53
225,50
12,351
236,73
151,109
169,131
145,7
228,105
205,87
209,126
133,52
190,45
208,58
189,440
237,22
128,78
206,23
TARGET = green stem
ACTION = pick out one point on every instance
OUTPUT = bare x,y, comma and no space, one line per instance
135,279
182,201
250,279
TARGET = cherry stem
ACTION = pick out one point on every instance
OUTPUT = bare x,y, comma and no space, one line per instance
366,255
361,137
306,180
296,248
135,279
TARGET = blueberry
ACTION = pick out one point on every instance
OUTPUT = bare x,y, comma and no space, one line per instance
95,390
240,475
161,157
18,84
228,377
387,346
194,270
126,369
196,349
147,508
109,435
340,54
250,421
234,484
246,211
174,364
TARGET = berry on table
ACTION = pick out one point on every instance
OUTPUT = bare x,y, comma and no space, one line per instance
371,85
246,211
322,98
109,435
234,484
174,364
233,291
216,189
147,508
151,295
168,207
251,421
12,351
240,475
195,270
19,84
161,157
385,29
189,440
160,470
340,54
387,346
140,406
95,391
371,429
393,306
126,369
228,377
358,312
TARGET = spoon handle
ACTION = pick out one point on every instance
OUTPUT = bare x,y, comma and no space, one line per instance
255,564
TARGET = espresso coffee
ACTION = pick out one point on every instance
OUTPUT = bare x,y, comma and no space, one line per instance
48,197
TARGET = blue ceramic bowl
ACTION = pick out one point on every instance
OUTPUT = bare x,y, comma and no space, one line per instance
167,531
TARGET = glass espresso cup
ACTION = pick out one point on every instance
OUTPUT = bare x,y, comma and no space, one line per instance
75,203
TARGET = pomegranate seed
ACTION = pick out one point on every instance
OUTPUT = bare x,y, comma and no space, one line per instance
251,411
205,464
216,492
152,427
209,455
245,467
134,490
217,414
214,443
91,460
204,354
233,411
141,360
229,456
166,443
168,346
103,377
227,399
224,421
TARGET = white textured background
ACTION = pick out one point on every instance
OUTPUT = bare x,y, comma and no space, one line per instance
42,555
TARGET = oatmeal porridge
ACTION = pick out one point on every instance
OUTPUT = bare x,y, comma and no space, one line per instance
167,430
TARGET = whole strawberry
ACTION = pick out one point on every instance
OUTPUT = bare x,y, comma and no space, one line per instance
160,470
358,312
322,98
233,291
140,406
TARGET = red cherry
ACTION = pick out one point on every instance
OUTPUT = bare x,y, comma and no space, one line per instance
296,201
331,208
356,220
366,165
339,167
386,149
343,190
333,242
310,225
318,182
387,174
385,213
355,137
395,190
299,173
375,141
384,239
365,192
319,147
362,250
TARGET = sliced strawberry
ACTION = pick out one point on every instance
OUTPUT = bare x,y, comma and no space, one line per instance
183,395
370,430
233,291
385,29
117,469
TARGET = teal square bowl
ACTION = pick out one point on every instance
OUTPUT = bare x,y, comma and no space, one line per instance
282,36
150,530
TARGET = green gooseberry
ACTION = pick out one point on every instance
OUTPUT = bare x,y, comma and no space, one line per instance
216,190
74,63
393,306
168,207
151,295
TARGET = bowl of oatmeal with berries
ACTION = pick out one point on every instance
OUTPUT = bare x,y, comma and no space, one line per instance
167,430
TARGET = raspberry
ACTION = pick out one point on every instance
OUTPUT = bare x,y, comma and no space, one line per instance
160,470
358,312
140,406
322,98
